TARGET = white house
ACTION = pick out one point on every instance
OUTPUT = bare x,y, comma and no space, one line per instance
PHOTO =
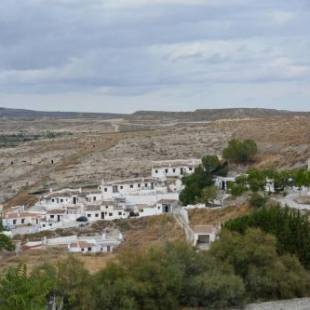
222,182
106,243
126,187
166,205
204,235
174,168
19,218
61,198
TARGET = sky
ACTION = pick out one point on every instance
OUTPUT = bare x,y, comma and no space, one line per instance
128,55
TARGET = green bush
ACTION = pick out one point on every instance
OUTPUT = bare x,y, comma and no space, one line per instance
257,200
291,228
240,151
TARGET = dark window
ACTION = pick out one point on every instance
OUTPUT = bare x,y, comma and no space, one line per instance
119,213
53,200
61,200
139,185
23,221
105,189
166,170
145,185
106,207
88,215
121,187
173,170
131,186
96,215
110,214
95,198
52,216
156,171
14,222
190,168
82,249
89,249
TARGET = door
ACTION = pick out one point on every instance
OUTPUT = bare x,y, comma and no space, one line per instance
102,215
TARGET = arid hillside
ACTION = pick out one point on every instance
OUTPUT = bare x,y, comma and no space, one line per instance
82,152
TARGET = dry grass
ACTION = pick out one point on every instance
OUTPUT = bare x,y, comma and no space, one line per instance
146,232
217,216
139,234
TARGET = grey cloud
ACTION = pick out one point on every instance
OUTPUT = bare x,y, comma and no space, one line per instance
130,48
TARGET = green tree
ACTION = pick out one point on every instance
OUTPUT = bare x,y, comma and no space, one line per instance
257,200
73,284
291,228
240,151
202,178
19,291
266,274
208,194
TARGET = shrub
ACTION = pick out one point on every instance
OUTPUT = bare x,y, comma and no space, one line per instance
240,151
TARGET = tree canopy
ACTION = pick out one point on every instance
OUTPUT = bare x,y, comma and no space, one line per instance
240,151
291,228
202,178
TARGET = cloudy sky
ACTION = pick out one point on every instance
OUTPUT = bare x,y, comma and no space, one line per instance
127,55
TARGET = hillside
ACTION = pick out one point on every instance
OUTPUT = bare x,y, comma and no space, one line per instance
214,114
30,114
189,116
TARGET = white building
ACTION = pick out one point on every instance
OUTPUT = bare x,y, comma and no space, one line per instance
21,218
106,243
174,168
222,182
130,186
204,235
61,198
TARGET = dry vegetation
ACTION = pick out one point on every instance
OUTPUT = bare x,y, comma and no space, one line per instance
217,216
93,151
139,234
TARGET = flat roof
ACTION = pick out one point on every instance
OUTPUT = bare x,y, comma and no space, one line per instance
204,229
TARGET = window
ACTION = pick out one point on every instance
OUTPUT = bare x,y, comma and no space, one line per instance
53,200
23,221
173,169
110,214
94,198
121,187
96,215
52,216
82,249
158,208
43,225
105,189
61,200
166,170
141,210
106,207
131,185
105,213
88,215
145,185
139,185
156,171
119,213
14,222
190,168
89,249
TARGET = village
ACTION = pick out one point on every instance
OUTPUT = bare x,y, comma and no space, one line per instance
124,199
